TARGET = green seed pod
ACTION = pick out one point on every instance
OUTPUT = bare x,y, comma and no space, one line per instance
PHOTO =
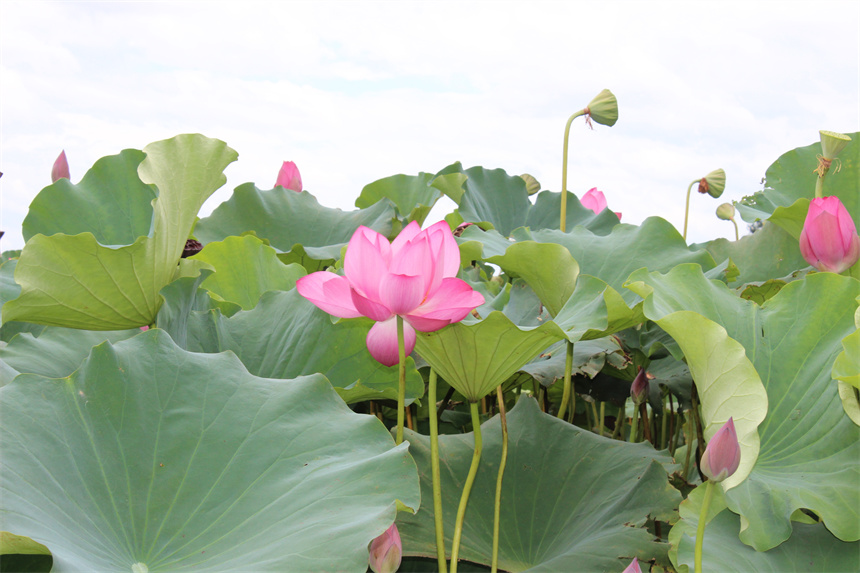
714,183
726,211
532,184
603,108
832,143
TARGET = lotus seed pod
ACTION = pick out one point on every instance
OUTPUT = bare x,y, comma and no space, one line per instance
532,184
832,143
603,108
714,183
726,211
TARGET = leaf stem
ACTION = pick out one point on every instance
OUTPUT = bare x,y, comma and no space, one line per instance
687,209
700,530
634,424
437,483
467,487
568,367
401,386
737,235
563,221
497,511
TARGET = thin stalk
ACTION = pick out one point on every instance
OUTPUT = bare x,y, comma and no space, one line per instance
634,424
401,386
437,481
663,436
737,235
619,426
467,487
588,420
409,422
700,531
689,437
595,417
602,414
687,209
572,410
700,432
498,508
568,367
563,222
819,186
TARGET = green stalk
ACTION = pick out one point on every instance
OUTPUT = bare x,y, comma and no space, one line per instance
819,184
663,436
437,482
498,507
689,438
634,424
602,414
401,386
700,531
563,222
737,235
687,209
467,487
568,367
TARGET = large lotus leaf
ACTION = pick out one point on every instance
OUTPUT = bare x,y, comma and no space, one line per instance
846,367
768,253
595,310
571,500
810,549
413,195
792,178
546,214
110,202
9,289
245,268
288,219
493,196
286,336
809,448
475,358
74,281
55,353
589,358
151,458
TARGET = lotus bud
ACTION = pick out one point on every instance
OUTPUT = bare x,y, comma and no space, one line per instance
726,212
289,177
723,454
829,240
714,183
832,143
386,551
639,388
61,168
603,108
532,184
633,567
596,201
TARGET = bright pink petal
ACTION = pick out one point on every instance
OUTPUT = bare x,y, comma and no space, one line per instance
722,455
633,567
409,232
289,177
594,200
382,341
618,214
366,262
401,293
442,242
61,168
829,239
451,302
328,292
370,308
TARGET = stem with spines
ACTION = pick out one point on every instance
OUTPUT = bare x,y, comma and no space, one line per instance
467,487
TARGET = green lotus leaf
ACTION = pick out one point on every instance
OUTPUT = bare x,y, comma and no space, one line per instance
110,202
475,358
810,549
790,183
74,281
589,358
769,253
546,214
413,195
850,401
595,310
288,219
151,458
571,500
808,447
285,336
9,289
245,268
846,367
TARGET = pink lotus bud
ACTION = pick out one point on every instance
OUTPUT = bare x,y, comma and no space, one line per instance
829,240
723,454
639,388
386,551
596,201
61,168
633,567
289,177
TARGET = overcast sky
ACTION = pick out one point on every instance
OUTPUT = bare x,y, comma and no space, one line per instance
357,91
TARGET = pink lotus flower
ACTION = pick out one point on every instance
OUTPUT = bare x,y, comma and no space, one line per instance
829,240
633,567
722,455
386,551
639,388
413,277
289,177
60,168
595,200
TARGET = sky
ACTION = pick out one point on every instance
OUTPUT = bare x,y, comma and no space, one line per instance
358,91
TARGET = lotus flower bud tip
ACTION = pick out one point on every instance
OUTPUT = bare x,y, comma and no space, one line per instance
289,177
639,388
829,240
722,455
633,567
386,551
60,169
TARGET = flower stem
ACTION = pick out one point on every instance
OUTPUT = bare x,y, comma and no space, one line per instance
687,208
634,424
737,235
700,531
568,367
819,185
467,487
496,516
437,483
401,386
563,222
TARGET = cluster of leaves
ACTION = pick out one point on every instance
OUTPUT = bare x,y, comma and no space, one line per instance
231,435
